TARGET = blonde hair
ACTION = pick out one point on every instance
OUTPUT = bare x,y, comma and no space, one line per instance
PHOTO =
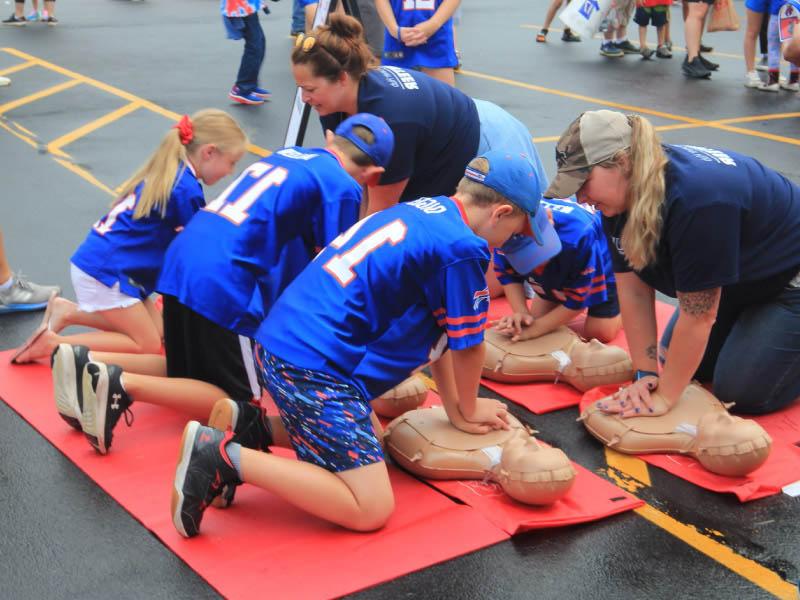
353,152
159,173
482,195
646,189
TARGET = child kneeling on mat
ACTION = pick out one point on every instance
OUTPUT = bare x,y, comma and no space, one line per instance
386,297
220,278
114,271
573,273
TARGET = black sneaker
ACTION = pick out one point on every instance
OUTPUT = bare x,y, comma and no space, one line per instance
250,426
66,364
695,69
15,20
711,66
706,48
569,36
203,468
628,48
663,52
104,402
52,21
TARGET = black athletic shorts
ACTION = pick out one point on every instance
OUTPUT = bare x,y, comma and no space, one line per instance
200,349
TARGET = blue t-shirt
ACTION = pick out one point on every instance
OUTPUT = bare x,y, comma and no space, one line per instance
436,128
385,298
727,220
128,251
437,52
240,252
580,275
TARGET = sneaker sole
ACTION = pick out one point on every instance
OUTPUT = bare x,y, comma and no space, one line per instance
65,386
224,416
93,417
176,504
241,100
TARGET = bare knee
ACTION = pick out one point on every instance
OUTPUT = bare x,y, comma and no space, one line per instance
374,515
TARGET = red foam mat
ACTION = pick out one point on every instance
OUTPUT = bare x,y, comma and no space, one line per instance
780,469
543,397
590,499
287,545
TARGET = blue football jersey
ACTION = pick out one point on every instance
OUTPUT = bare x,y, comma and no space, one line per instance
577,277
385,298
128,251
240,252
438,52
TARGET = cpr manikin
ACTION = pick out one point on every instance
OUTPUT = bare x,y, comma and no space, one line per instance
407,395
557,356
698,425
425,443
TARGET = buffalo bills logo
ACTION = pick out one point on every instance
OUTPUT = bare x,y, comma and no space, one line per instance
480,296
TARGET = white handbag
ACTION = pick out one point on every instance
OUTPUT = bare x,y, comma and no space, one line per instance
584,16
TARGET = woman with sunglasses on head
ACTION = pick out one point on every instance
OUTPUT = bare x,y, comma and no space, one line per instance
714,228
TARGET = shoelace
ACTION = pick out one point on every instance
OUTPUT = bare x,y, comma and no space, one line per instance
128,414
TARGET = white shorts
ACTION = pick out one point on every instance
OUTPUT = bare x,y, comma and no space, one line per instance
94,296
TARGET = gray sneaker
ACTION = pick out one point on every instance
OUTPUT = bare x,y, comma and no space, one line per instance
24,295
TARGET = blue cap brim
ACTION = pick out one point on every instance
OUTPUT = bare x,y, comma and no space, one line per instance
524,253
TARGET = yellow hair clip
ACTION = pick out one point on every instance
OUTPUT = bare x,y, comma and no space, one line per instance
306,42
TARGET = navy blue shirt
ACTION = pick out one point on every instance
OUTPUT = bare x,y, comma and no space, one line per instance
436,128
727,220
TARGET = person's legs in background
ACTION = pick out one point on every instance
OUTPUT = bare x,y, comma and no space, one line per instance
754,9
18,16
246,90
16,293
693,66
298,18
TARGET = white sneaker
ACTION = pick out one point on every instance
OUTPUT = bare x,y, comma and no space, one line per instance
769,87
790,87
752,80
762,64
4,81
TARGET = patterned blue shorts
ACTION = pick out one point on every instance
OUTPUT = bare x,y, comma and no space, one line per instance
328,421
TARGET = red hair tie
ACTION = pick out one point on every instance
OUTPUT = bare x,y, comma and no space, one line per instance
185,130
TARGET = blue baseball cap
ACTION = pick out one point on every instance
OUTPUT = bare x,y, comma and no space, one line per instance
514,177
380,151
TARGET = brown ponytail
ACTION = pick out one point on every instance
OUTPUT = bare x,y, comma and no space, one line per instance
337,47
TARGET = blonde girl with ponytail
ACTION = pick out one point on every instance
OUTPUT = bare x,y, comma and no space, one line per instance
715,229
114,270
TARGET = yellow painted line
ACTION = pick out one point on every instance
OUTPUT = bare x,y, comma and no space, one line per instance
84,174
769,117
636,109
582,97
257,150
24,130
78,133
744,567
630,465
37,96
18,67
28,140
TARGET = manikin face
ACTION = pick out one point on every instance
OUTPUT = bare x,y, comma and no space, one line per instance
321,94
605,189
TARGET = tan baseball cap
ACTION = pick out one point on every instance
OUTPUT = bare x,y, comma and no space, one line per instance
592,138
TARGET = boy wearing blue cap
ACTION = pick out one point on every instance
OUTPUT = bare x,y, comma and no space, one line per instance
222,275
390,295
573,272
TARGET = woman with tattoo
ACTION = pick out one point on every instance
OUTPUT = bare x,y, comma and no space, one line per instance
716,229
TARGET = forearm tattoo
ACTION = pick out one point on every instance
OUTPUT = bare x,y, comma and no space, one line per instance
651,352
698,303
